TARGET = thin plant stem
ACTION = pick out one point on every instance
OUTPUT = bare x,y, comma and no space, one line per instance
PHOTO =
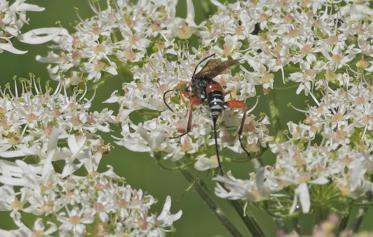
249,221
274,113
205,195
360,217
343,223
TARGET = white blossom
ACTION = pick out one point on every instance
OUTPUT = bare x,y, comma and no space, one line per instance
13,18
34,121
72,204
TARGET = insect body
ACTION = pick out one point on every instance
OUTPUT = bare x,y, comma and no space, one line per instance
203,88
215,99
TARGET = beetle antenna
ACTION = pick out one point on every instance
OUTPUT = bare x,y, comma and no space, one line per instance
195,69
240,134
164,99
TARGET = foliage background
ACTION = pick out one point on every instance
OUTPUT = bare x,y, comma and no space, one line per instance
140,170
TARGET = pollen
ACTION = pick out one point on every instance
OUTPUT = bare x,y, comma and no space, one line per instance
142,224
75,220
99,48
307,49
129,54
16,204
99,207
337,58
340,135
37,233
99,66
184,31
362,63
332,40
122,203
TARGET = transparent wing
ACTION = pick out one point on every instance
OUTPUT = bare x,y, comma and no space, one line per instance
213,68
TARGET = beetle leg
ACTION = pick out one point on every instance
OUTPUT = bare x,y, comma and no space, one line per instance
178,87
164,99
238,104
189,123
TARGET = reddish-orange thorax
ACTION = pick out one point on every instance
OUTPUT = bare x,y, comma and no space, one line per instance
213,86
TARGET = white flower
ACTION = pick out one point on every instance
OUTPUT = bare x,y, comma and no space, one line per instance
33,122
77,205
301,193
165,217
12,19
75,222
228,187
204,163
39,228
42,35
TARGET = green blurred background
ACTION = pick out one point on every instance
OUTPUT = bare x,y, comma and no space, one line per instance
140,170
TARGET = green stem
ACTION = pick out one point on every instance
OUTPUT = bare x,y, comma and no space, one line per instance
249,221
295,224
343,224
274,113
200,188
359,219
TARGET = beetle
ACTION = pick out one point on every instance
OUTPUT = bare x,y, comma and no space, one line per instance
204,89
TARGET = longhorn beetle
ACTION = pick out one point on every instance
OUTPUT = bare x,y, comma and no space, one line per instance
203,89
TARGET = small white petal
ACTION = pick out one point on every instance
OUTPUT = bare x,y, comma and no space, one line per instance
114,98
304,197
357,173
217,4
27,7
112,70
166,218
203,163
18,153
5,233
76,143
42,35
9,47
133,145
11,174
190,13
53,139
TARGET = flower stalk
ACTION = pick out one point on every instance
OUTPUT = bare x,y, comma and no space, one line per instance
205,195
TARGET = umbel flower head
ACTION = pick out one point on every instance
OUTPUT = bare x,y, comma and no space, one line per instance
36,121
98,203
118,32
322,47
156,135
341,159
42,127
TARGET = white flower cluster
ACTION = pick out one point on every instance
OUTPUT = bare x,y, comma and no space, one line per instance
123,31
33,120
12,19
157,134
333,145
323,47
307,39
57,135
99,204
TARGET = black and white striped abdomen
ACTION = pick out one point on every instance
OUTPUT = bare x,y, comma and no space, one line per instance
216,103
